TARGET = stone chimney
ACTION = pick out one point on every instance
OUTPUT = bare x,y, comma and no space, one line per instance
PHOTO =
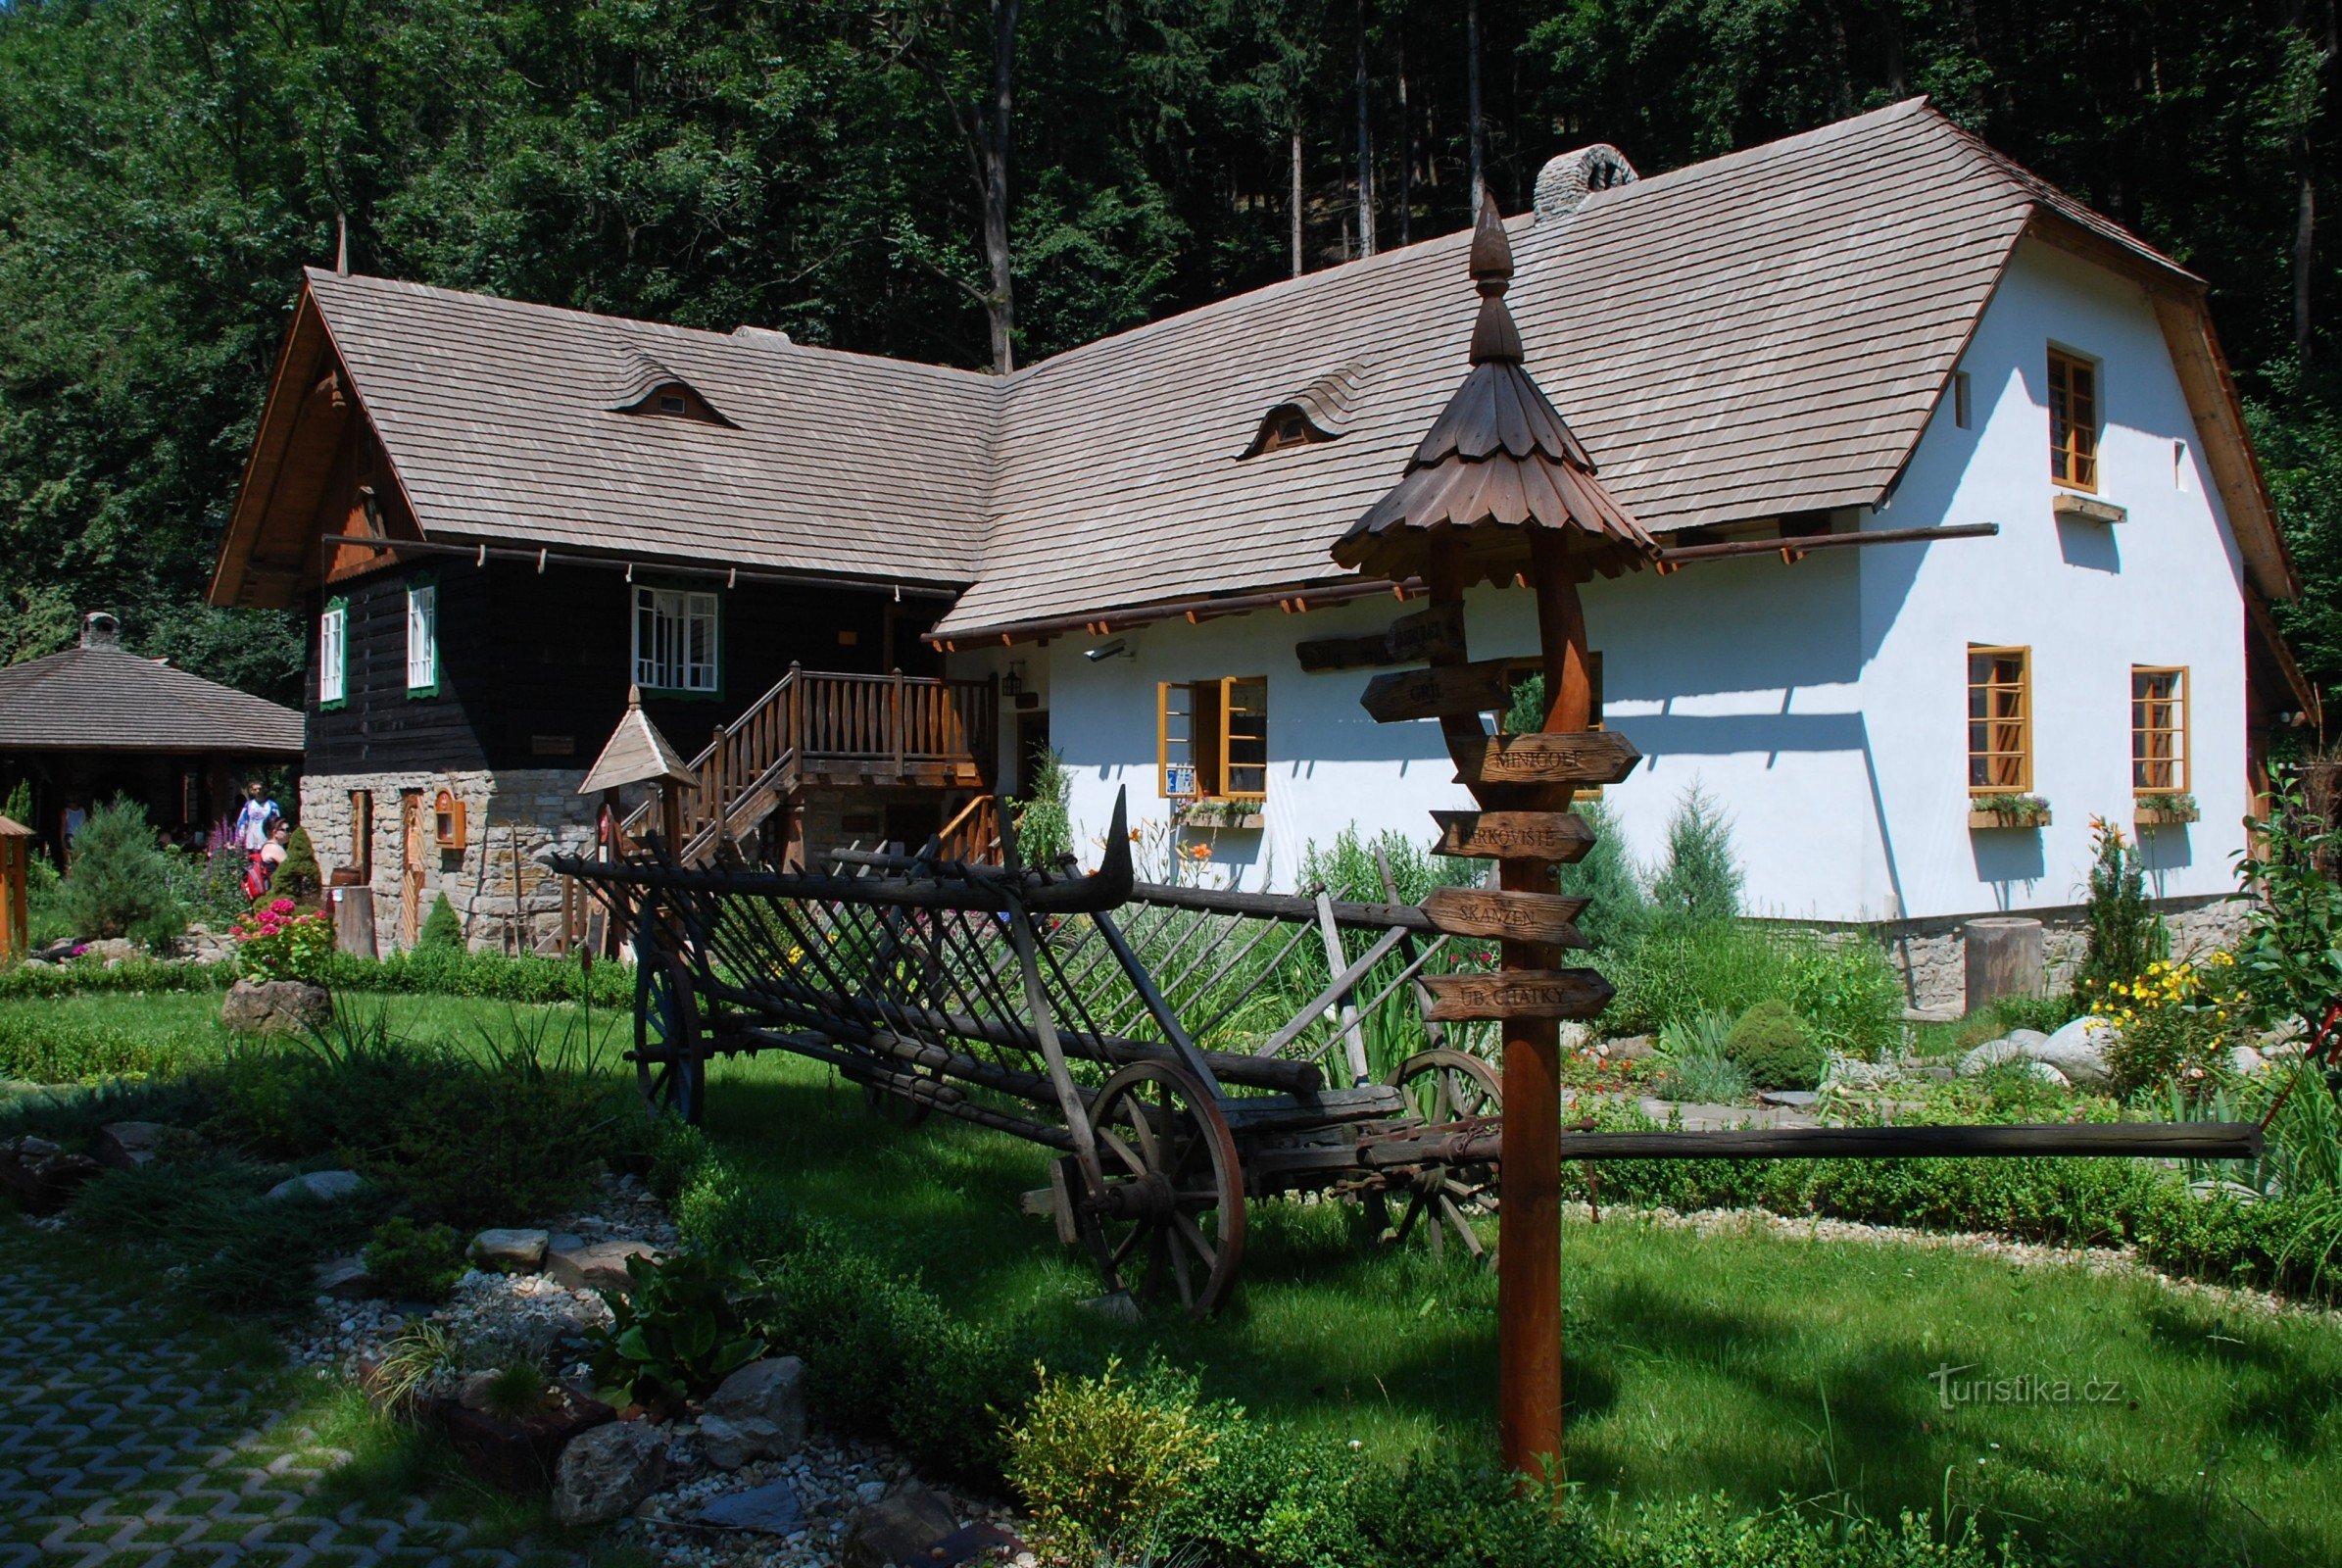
1565,182
99,629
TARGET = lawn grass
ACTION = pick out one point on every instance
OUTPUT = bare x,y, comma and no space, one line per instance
1749,1364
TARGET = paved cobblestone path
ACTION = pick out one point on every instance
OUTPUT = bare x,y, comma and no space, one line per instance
121,1450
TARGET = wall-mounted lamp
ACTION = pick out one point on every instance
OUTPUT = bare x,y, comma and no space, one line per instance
1012,684
1117,648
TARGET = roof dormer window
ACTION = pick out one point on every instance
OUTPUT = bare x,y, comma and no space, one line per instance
1319,411
1287,426
648,385
675,399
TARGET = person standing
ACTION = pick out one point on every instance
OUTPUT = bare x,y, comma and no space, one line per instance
258,816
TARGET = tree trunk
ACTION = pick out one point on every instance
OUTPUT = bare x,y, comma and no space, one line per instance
1297,198
999,304
1473,135
2304,246
1365,146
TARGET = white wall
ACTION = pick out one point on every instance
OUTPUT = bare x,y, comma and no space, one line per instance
1823,704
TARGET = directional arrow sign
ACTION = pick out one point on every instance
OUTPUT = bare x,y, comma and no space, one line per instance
1516,994
1518,917
1438,693
1519,835
1411,640
1579,759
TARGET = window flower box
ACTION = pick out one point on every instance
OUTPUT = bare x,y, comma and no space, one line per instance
1238,815
2171,808
2021,813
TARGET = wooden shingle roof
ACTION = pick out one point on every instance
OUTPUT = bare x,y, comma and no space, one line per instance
500,421
104,700
1761,334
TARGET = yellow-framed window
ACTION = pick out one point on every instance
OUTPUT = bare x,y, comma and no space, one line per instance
1212,739
2000,719
2159,729
2072,420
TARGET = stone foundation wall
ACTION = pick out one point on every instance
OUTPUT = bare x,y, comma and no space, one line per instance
1933,955
498,882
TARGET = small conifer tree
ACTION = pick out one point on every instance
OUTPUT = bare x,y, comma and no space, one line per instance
443,929
1700,880
296,875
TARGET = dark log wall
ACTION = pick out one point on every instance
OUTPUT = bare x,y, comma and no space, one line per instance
534,666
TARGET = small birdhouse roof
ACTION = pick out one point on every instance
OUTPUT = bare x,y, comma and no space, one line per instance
14,830
636,754
1497,464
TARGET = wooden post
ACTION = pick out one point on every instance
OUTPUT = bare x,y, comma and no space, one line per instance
14,920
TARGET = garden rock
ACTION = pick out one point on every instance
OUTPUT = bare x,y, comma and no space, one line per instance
2245,1061
42,1176
509,1251
2016,1046
319,1186
2078,1051
128,1145
345,1279
584,1266
110,951
772,1390
604,1473
898,1530
277,1007
770,1509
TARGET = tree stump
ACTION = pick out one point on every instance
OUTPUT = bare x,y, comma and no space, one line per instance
2004,959
354,920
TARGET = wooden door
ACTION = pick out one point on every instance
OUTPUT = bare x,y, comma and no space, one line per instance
414,844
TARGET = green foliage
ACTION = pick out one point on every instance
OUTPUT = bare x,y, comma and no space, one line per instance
1846,991
1043,815
414,1262
17,808
1674,972
240,1249
47,1052
1770,1043
681,1329
2125,934
2290,955
1695,1063
443,931
296,875
1617,912
1103,1458
119,881
1351,869
1699,880
533,978
512,1130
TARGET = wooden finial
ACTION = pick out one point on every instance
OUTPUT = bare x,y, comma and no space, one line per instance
341,244
1495,338
634,696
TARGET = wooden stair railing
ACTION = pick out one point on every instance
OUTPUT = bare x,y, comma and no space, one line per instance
822,723
974,833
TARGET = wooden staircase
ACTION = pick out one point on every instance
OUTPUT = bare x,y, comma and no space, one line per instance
819,728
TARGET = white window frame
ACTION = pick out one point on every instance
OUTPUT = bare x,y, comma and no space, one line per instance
333,653
422,638
668,664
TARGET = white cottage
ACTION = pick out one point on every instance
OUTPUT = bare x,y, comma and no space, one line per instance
1878,326
1874,327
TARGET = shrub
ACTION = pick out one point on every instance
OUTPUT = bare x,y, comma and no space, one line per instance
1771,1044
1043,814
2291,951
1675,971
415,1262
296,875
279,941
1695,1064
681,1330
443,931
1847,993
1104,1458
240,1249
2125,934
1616,911
120,882
2176,1021
17,808
51,1052
1351,869
1700,881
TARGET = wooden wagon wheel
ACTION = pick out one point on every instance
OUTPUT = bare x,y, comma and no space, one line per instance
1442,1086
1175,1195
670,1065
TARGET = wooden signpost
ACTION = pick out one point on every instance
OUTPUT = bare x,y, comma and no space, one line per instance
1523,916
1499,490
1513,835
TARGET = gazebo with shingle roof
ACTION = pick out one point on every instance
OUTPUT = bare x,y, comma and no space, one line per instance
96,721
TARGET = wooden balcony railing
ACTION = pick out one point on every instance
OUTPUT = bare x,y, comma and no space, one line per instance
819,726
